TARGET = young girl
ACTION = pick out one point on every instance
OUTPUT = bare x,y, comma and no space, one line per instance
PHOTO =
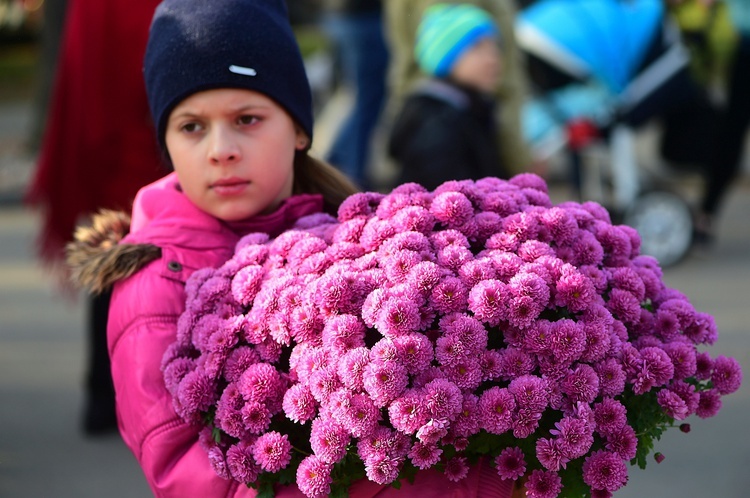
232,108
446,129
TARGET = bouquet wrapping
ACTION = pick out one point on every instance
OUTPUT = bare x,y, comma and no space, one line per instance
426,329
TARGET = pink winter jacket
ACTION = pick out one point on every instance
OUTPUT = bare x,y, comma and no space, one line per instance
142,324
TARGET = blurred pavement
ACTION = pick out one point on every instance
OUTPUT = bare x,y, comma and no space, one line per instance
44,454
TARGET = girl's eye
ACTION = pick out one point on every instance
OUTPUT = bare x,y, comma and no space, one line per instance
190,127
248,119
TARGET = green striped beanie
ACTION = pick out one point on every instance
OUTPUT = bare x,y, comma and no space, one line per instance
446,30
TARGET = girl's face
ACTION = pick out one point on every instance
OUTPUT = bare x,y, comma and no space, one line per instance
233,151
480,66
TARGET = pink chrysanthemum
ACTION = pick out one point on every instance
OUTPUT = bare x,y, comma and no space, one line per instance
456,469
314,477
511,463
328,440
551,454
299,403
610,416
489,301
582,384
398,317
384,381
272,451
624,442
575,436
543,484
382,468
351,367
709,404
496,408
605,470
424,456
727,375
241,463
443,399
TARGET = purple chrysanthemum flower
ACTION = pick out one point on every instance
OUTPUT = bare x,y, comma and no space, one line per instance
704,366
581,384
398,317
543,484
343,333
551,454
414,351
272,451
195,393
605,470
624,306
530,392
408,412
443,399
496,408
314,477
672,404
489,301
424,456
574,291
256,417
727,375
683,358
611,377
610,416
567,340
456,469
383,468
259,382
709,404
467,423
328,440
452,209
511,463
575,436
299,404
624,442
240,462
384,381
217,460
656,370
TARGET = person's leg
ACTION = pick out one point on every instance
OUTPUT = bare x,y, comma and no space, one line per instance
365,59
99,411
731,138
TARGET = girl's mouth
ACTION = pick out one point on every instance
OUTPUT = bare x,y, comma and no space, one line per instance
229,186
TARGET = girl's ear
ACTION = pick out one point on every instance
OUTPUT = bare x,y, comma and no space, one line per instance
302,141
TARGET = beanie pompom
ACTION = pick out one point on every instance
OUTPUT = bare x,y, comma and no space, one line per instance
446,31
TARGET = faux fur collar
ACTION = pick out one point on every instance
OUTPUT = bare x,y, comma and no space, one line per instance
96,258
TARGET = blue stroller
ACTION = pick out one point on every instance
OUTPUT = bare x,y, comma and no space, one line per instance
613,65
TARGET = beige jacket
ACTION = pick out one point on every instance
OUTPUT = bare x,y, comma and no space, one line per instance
402,18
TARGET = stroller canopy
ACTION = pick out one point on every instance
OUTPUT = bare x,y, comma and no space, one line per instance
605,40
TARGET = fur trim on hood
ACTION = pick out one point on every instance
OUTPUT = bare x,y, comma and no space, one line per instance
97,260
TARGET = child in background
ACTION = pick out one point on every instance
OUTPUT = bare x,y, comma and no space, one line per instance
446,129
232,108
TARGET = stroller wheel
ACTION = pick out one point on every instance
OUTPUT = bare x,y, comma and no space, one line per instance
665,223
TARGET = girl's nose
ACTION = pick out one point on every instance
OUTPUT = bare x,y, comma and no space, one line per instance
223,148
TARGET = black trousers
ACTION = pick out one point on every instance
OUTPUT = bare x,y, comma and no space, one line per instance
733,130
99,413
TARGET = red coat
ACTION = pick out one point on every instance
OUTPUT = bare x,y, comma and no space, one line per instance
99,145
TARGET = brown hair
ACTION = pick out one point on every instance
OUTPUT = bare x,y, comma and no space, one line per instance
315,176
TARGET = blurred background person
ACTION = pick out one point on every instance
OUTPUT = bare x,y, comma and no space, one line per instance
732,128
447,128
402,18
356,30
97,110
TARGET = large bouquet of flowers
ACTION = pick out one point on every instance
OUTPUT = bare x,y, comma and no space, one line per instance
428,329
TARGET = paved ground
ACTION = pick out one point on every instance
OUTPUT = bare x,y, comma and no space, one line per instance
43,453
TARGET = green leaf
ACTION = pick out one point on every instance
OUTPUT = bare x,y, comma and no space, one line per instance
265,490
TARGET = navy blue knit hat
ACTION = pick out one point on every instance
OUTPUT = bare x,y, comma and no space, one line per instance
197,45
